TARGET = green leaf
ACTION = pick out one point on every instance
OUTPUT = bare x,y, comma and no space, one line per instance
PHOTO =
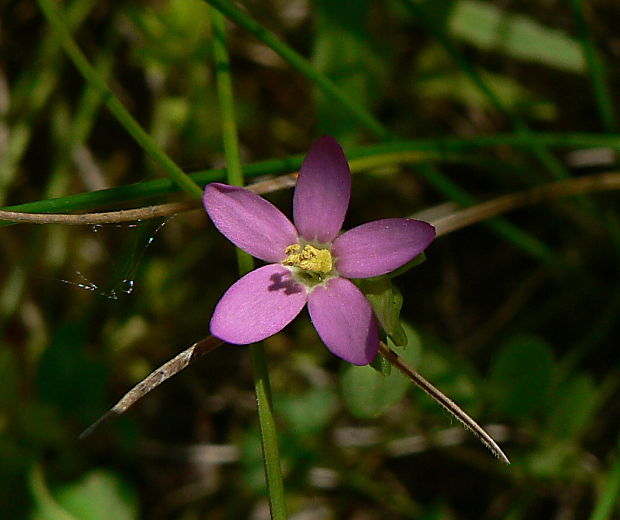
368,393
439,79
386,301
68,378
381,365
45,506
99,495
488,27
574,402
521,377
308,413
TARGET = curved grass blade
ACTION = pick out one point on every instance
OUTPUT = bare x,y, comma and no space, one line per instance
156,378
447,403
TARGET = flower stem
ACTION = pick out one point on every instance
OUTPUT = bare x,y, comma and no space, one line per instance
269,437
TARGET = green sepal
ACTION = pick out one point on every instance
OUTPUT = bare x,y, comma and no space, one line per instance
381,365
386,301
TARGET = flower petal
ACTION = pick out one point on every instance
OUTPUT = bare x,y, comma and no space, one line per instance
323,191
380,246
260,304
344,320
249,221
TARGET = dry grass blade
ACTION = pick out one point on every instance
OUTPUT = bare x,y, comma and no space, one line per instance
156,378
597,182
137,214
455,220
447,403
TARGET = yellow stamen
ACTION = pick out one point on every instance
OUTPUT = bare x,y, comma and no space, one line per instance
309,259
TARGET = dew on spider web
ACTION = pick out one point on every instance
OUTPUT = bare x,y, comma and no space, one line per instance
123,271
127,286
87,285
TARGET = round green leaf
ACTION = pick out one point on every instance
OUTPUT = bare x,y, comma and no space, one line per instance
521,377
369,393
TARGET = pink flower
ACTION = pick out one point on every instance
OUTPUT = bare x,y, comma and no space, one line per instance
309,262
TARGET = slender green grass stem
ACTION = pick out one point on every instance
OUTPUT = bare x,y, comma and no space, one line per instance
268,431
598,73
269,438
550,162
56,20
608,498
300,63
31,91
403,152
226,101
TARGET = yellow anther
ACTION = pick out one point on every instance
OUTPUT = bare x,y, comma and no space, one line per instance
309,259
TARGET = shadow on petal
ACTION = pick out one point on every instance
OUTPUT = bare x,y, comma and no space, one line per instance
258,305
283,282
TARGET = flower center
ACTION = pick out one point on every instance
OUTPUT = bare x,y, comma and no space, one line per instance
310,258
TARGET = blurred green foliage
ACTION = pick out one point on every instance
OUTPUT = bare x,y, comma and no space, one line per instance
368,392
97,496
526,348
489,27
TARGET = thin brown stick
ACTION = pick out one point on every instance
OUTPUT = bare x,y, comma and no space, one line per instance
107,217
447,403
156,378
210,343
444,225
493,208
138,214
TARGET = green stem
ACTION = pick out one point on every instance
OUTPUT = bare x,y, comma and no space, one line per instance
300,63
403,152
56,20
269,436
225,96
552,164
598,73
608,499
31,92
